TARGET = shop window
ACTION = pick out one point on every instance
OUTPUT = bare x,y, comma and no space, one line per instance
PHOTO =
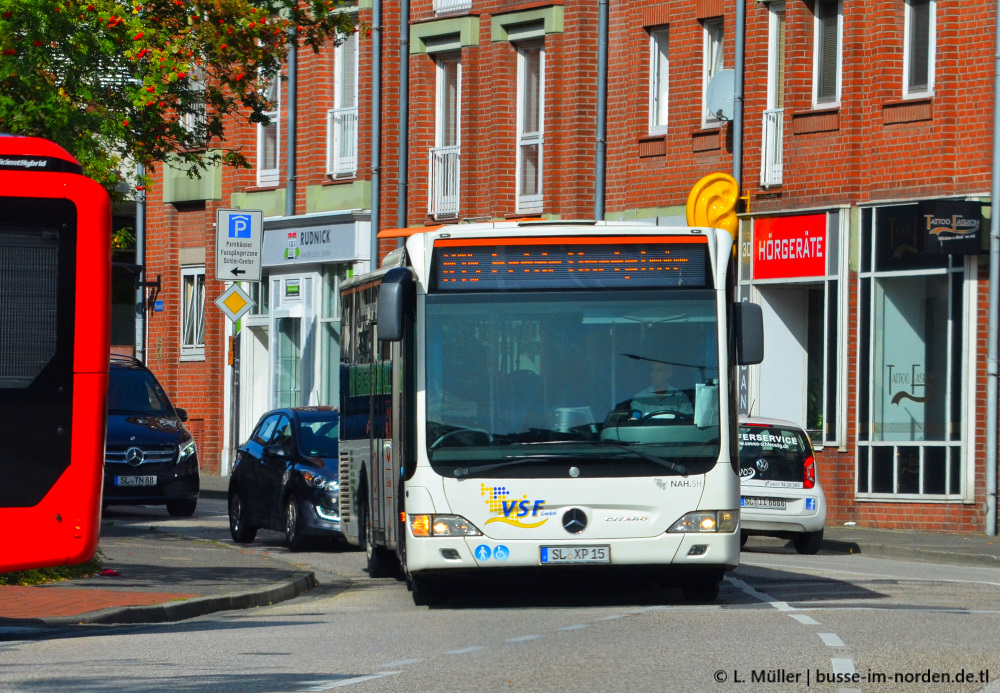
192,312
910,383
261,298
287,362
329,333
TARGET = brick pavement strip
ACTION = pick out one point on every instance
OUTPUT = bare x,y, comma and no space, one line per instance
21,601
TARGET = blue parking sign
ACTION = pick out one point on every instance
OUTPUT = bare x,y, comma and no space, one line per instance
239,226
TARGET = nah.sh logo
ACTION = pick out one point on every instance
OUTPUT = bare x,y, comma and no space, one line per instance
518,512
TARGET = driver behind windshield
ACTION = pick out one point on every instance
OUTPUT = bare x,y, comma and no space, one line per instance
661,395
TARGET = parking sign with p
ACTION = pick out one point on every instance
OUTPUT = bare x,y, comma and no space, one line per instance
239,233
239,226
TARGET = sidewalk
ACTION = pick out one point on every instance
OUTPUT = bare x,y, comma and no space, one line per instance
166,577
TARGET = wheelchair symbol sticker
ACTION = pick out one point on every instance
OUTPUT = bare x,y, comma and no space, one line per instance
501,553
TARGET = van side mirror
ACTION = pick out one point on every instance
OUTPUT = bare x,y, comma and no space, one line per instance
182,414
748,327
395,297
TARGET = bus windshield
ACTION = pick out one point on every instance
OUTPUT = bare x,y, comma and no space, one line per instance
608,383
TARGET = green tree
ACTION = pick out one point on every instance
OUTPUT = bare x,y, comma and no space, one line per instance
120,82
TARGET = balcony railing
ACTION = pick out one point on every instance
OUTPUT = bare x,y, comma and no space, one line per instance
445,165
443,6
342,142
772,147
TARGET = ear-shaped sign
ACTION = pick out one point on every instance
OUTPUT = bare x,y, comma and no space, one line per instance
712,202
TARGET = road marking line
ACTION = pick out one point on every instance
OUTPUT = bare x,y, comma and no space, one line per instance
872,576
524,638
762,596
466,650
843,665
805,620
578,626
611,618
831,639
338,683
400,663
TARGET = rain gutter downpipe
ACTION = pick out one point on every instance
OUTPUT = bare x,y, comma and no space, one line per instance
602,108
376,129
992,367
738,93
293,51
403,119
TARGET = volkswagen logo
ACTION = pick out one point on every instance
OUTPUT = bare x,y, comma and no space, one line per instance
762,465
574,521
133,456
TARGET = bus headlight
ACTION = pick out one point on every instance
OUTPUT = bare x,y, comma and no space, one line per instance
723,521
442,526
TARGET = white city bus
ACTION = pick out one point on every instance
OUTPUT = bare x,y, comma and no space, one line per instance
495,409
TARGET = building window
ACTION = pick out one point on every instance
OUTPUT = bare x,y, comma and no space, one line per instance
329,333
193,312
919,48
445,155
712,61
659,72
827,54
192,118
268,146
910,376
530,125
342,119
773,126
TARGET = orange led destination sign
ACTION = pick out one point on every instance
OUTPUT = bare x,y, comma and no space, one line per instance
489,264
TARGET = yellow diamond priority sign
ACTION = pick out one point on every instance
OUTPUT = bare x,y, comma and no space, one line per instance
234,302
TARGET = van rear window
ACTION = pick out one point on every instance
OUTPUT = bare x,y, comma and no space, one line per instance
773,456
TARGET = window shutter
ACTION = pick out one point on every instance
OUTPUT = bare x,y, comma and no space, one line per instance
826,91
919,45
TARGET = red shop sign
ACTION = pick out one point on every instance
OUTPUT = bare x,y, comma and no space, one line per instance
785,247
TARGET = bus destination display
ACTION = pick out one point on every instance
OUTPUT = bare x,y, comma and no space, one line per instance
553,263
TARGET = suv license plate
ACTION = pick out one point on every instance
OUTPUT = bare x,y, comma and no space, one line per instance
575,554
772,503
135,481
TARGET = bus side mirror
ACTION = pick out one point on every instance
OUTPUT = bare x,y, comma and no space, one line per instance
395,296
748,327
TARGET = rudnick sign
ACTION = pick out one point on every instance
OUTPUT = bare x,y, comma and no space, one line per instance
786,247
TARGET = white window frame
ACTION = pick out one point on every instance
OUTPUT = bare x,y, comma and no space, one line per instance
194,121
908,38
827,102
193,349
659,78
270,176
445,157
342,156
530,203
713,60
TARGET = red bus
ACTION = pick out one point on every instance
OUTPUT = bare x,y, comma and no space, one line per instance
55,268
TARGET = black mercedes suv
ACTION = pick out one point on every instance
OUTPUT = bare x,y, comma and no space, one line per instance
149,457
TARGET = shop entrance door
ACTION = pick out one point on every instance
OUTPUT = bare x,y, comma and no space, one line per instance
783,373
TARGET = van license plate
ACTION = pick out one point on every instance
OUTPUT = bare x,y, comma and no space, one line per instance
772,503
135,481
575,554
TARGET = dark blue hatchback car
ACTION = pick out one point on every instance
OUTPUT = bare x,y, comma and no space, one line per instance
285,477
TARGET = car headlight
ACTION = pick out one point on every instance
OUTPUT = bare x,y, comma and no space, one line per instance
188,451
319,481
442,526
701,521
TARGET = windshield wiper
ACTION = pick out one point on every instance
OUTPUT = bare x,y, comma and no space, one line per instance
672,466
509,461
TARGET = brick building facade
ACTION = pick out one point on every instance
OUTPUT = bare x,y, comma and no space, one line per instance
860,121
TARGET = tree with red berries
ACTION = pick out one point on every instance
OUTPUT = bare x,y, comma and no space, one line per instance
120,82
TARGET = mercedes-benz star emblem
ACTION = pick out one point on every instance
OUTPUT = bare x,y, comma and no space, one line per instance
574,521
133,456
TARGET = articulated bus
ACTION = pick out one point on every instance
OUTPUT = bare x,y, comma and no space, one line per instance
542,395
55,276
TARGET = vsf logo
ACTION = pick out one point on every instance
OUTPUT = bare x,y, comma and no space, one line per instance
239,226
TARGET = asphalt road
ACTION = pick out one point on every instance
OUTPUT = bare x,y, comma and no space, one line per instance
783,622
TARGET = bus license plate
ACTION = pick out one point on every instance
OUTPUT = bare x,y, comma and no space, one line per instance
575,554
754,502
135,481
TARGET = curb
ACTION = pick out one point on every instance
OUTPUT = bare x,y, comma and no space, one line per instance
176,611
